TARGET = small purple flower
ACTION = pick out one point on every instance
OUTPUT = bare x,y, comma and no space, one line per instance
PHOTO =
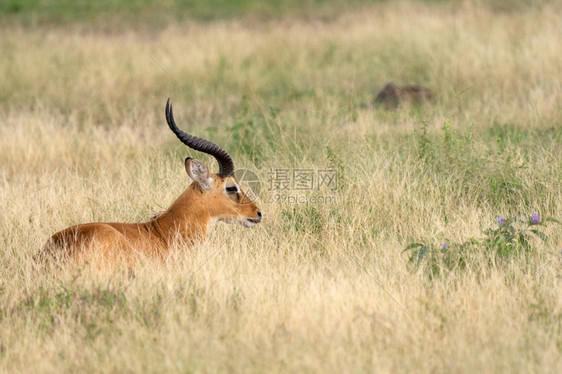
501,220
444,245
535,218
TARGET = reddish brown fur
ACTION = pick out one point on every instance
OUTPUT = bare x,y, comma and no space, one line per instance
188,220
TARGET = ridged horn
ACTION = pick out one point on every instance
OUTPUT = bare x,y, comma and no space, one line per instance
226,165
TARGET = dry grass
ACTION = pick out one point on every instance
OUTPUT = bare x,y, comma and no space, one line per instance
83,138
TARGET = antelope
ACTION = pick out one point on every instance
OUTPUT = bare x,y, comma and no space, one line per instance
208,199
391,95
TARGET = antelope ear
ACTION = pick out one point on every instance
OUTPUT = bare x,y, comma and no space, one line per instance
198,172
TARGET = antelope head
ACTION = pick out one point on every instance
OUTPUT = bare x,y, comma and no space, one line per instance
219,194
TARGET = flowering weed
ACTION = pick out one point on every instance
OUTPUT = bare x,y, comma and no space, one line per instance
511,237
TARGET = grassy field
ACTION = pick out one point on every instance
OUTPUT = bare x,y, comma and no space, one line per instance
322,285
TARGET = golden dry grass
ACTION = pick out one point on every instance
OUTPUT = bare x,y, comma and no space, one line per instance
312,288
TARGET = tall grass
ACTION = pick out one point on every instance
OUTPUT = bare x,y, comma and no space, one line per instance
314,287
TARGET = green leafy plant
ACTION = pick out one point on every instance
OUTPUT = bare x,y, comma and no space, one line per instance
425,150
514,235
508,239
337,164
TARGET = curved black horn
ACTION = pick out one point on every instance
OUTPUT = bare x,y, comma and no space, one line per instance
226,165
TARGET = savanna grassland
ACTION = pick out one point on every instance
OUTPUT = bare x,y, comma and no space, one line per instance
323,285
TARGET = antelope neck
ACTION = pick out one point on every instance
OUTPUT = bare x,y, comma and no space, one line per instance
187,218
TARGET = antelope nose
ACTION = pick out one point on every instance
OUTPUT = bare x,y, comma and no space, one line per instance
259,216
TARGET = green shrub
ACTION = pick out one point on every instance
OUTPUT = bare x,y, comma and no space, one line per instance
506,241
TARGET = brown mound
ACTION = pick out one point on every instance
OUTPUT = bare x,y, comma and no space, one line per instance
391,95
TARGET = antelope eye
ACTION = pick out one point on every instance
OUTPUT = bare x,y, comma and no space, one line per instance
232,189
